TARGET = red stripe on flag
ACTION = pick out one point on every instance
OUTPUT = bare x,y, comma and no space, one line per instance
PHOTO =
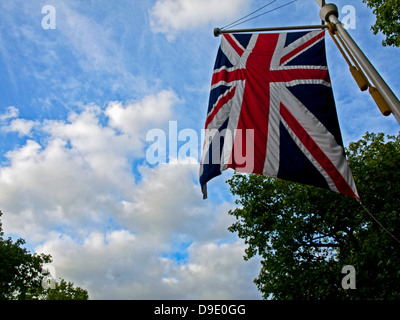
254,113
288,75
227,76
221,102
337,178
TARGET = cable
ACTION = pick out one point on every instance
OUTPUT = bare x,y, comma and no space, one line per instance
376,220
234,25
248,15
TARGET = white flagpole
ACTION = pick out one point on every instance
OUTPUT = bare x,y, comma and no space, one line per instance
329,13
218,31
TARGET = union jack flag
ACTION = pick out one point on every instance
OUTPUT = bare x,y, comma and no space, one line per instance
271,111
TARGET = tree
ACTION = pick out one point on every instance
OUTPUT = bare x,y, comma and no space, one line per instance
20,271
306,235
387,14
21,275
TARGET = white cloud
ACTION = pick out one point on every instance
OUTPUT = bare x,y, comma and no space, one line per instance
21,126
121,265
164,210
70,192
133,117
77,169
170,16
168,200
216,272
11,112
47,187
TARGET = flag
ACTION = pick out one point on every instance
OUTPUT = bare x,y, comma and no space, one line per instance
271,111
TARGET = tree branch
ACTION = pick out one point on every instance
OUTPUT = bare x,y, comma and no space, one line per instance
321,245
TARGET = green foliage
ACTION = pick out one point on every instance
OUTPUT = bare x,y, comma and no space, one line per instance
387,14
66,291
20,271
21,275
305,235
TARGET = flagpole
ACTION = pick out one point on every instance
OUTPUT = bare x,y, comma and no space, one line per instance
218,31
329,13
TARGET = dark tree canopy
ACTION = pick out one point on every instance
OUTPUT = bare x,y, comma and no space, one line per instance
306,235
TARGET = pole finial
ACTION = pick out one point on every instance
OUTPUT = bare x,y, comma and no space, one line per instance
217,32
327,10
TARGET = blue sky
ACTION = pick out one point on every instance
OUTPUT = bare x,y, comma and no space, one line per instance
76,105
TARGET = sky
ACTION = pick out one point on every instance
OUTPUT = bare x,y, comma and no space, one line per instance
102,106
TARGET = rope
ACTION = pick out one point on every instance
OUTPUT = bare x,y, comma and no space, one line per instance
231,25
357,72
376,220
332,32
228,25
351,57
